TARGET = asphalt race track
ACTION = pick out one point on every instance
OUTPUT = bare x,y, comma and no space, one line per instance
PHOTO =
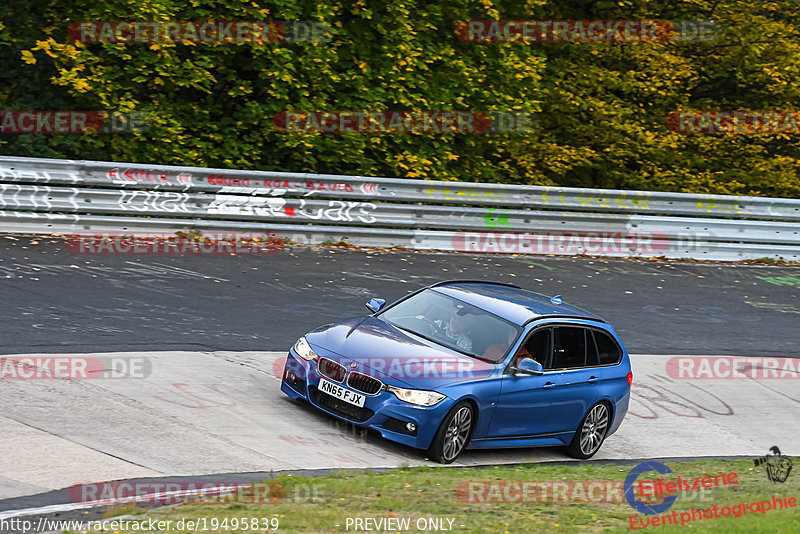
212,330
57,301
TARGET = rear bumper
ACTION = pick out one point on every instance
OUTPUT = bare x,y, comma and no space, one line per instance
620,409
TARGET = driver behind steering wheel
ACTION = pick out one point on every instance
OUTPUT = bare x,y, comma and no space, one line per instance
458,332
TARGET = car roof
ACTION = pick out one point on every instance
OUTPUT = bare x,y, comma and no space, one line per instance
510,302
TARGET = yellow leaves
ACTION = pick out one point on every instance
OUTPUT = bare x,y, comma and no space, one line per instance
68,50
27,57
155,47
82,86
45,46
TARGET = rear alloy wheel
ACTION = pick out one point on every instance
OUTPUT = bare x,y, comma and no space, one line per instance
591,433
453,434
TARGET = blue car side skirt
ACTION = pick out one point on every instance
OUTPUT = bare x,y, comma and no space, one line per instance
545,440
618,411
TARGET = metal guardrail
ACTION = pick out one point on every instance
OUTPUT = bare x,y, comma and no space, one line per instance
88,197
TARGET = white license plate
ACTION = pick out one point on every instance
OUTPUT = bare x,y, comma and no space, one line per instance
342,393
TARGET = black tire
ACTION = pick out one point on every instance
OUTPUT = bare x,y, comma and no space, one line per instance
591,432
454,433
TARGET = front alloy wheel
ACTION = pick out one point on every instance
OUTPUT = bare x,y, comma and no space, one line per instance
453,434
591,433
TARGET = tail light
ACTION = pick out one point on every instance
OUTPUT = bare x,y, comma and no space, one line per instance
630,378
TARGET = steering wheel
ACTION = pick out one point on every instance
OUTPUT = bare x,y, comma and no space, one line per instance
433,328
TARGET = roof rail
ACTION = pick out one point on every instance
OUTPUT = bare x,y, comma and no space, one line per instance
565,316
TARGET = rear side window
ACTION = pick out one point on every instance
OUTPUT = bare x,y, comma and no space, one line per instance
592,359
608,351
569,347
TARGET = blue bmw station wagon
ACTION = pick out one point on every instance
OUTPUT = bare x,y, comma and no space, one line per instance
469,364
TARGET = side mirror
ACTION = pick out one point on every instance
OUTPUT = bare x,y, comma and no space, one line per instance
375,305
529,366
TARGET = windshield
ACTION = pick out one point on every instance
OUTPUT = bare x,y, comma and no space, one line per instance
454,324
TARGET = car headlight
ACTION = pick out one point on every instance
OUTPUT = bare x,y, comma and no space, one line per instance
303,349
420,397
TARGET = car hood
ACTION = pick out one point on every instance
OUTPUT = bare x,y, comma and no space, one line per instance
395,356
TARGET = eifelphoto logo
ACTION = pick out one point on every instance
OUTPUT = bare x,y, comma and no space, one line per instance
732,368
734,122
737,510
199,32
232,243
585,31
405,122
657,495
73,367
73,122
638,504
777,466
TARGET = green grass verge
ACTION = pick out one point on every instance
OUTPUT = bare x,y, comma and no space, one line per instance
313,505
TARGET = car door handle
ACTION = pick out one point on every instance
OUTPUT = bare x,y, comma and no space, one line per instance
548,385
592,379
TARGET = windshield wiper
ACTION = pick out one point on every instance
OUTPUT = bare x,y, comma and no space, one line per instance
413,332
440,343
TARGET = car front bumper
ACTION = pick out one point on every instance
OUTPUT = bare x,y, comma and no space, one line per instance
383,412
